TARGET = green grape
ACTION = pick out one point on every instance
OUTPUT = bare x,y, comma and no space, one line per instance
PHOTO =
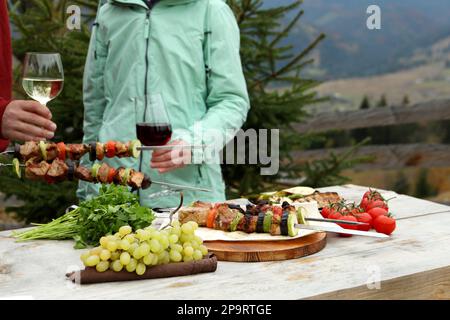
166,259
112,245
111,238
84,256
131,266
155,246
187,244
197,255
150,229
103,242
92,261
140,269
203,250
137,254
125,258
133,247
102,266
186,237
105,255
194,225
163,257
156,235
164,242
130,238
173,238
145,235
125,230
198,240
187,228
176,231
175,223
188,251
175,256
148,259
117,266
176,247
96,251
115,255
155,260
144,249
118,236
195,245
124,245
187,258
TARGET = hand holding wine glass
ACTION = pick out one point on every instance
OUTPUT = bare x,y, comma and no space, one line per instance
43,76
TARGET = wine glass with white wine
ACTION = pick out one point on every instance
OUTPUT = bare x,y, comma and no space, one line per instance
43,76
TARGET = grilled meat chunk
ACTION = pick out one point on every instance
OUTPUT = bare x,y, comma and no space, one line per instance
36,171
103,172
29,150
84,174
224,217
58,171
197,214
136,179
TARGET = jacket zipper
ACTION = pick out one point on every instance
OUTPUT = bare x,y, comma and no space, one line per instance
147,40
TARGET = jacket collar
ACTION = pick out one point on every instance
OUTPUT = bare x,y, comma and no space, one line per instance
143,3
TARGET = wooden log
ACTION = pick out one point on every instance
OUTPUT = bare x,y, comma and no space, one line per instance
389,156
347,120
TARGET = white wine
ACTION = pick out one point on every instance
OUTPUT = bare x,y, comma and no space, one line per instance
42,89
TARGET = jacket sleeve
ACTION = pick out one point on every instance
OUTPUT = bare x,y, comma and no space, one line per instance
227,100
5,67
93,94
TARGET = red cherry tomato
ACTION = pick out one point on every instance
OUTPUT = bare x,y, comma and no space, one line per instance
211,218
384,224
376,212
376,204
346,226
111,174
326,211
335,215
110,149
364,217
278,211
61,151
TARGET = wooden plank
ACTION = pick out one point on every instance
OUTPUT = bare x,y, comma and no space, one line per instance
402,206
346,120
388,156
418,246
429,285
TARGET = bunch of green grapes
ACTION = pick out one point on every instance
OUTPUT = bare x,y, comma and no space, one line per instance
148,247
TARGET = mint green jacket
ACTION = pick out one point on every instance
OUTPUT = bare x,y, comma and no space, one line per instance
136,51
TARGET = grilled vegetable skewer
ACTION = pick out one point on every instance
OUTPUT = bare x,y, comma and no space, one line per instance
49,151
58,171
226,217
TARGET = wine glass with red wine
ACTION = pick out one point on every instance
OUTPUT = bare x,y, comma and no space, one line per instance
153,127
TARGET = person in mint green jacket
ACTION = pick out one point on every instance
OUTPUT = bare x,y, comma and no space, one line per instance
186,51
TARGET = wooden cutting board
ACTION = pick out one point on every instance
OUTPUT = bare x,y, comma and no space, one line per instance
258,251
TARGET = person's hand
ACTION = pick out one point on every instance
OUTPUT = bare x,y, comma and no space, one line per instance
165,160
27,121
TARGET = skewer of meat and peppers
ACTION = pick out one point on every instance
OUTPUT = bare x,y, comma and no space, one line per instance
56,162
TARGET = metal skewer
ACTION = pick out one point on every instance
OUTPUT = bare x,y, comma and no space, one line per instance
147,148
10,165
352,223
180,187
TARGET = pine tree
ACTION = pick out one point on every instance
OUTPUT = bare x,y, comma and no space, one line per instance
277,89
423,188
405,101
362,133
40,25
382,102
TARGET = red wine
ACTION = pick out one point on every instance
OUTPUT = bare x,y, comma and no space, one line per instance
154,134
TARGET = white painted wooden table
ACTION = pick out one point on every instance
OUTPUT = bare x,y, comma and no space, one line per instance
413,263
